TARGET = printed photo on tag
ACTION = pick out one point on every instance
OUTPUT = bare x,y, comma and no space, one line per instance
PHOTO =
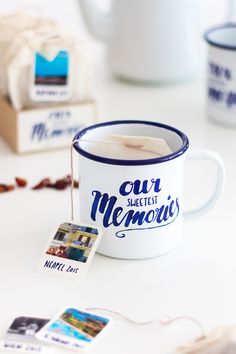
51,80
20,336
73,328
70,250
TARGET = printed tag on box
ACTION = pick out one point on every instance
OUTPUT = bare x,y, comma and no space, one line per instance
70,250
51,81
20,336
74,329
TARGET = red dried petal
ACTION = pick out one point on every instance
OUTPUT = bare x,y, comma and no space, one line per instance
3,188
10,187
76,184
21,182
42,184
6,188
59,184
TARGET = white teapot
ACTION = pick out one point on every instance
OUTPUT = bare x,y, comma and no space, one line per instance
148,40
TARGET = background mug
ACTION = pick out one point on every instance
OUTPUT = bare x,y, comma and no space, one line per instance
137,203
222,73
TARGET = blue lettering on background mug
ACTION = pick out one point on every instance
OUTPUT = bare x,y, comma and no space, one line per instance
222,73
138,203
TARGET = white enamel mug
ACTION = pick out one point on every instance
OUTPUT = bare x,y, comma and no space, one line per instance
221,104
137,203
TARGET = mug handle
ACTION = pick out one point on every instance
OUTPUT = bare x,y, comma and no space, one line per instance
219,186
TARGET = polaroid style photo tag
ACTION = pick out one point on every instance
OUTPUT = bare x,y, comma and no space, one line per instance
51,81
74,329
70,250
20,336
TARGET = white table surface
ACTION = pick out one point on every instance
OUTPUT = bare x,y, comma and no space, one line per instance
196,279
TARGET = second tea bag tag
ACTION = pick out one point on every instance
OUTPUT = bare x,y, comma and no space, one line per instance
20,336
157,146
51,79
74,329
214,342
70,250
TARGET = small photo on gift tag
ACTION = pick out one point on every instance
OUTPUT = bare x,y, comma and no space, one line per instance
20,336
73,329
70,250
51,80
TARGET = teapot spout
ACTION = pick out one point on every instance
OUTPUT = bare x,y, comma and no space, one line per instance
99,22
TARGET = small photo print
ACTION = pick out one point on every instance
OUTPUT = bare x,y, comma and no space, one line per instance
24,329
78,324
52,72
74,328
73,242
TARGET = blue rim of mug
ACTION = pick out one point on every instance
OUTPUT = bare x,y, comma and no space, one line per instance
216,43
81,151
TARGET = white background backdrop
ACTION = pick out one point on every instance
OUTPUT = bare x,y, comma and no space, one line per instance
66,11
197,279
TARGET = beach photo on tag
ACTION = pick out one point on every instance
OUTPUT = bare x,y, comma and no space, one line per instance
50,77
20,336
73,328
70,250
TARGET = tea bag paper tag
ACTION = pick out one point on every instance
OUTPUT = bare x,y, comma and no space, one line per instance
74,328
51,81
20,336
156,146
215,342
70,250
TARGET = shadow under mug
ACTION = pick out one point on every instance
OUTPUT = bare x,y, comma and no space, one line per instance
137,203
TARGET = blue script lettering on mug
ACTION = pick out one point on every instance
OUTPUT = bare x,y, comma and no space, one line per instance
215,94
159,215
231,99
220,71
137,187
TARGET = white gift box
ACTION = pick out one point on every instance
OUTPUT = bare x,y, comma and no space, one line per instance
47,128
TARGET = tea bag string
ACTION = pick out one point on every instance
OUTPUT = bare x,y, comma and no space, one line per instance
165,321
137,147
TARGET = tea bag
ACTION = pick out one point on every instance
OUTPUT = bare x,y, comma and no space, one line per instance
128,147
20,69
156,146
221,340
13,28
43,38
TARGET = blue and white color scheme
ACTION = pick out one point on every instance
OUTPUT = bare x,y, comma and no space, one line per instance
52,127
137,203
222,73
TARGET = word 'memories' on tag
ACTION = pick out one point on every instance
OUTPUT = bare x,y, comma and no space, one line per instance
20,336
73,329
70,250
